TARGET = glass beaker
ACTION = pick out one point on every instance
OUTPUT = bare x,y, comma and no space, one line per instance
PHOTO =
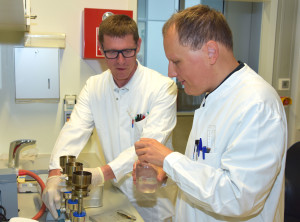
146,178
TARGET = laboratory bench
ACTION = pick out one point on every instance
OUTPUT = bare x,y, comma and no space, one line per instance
113,200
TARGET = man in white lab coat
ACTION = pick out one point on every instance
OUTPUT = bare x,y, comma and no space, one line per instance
233,167
110,102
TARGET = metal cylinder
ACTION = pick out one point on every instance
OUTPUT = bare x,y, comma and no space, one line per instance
67,195
78,217
80,183
71,168
81,180
72,206
80,205
63,160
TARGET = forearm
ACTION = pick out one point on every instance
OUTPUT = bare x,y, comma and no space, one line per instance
75,133
54,172
107,172
122,164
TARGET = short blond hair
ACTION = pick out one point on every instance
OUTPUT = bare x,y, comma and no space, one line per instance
118,26
199,24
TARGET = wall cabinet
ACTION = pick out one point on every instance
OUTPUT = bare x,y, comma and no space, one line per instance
37,74
15,15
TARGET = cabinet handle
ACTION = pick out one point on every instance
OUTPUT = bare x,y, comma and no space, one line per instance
48,83
31,16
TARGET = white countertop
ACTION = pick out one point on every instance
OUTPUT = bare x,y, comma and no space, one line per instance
113,200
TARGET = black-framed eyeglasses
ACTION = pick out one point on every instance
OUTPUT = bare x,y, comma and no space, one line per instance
112,54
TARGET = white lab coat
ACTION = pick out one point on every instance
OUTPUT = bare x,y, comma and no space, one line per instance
242,178
110,109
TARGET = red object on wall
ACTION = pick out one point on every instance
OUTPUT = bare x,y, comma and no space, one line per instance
286,100
91,20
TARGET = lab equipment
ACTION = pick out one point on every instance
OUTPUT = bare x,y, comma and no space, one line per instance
8,193
76,191
71,168
15,149
63,160
146,178
69,103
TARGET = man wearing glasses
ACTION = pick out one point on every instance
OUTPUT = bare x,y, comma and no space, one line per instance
111,102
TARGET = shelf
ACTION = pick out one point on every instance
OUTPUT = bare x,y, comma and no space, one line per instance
56,40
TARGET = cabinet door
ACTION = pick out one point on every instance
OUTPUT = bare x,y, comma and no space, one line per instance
37,74
14,15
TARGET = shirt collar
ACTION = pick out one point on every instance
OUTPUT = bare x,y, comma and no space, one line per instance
131,82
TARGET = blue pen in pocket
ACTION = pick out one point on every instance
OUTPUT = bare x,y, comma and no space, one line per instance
203,152
199,148
195,148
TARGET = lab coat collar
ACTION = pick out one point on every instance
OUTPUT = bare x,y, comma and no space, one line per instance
224,85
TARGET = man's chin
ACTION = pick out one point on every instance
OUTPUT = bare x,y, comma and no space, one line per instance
186,90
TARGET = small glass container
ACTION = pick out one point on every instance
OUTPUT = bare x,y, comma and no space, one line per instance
146,178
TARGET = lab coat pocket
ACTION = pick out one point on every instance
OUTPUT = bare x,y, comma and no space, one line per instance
138,129
211,159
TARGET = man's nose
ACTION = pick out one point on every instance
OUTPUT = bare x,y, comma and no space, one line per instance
120,58
172,74
171,71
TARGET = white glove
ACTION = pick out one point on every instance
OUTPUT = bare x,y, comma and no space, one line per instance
52,194
97,175
63,187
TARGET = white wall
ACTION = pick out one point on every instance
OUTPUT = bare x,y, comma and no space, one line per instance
43,121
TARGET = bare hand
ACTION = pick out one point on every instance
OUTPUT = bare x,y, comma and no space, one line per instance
161,174
151,151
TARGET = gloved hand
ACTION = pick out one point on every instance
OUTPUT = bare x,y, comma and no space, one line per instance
97,175
52,193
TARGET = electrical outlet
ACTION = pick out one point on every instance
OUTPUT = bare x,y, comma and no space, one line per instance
284,84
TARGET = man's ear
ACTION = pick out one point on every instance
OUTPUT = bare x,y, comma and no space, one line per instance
212,51
138,45
100,47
